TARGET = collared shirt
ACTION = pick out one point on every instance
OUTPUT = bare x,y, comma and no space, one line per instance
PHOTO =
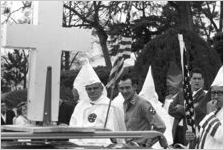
4,117
140,115
194,92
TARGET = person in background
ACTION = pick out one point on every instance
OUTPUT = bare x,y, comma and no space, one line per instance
211,126
21,118
139,113
6,115
68,100
198,94
65,112
176,108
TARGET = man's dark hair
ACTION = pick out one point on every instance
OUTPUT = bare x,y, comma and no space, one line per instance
196,70
19,107
124,77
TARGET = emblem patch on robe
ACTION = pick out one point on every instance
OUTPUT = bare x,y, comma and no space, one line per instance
152,110
92,117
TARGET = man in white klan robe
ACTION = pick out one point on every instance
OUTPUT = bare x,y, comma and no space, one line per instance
148,92
92,107
211,127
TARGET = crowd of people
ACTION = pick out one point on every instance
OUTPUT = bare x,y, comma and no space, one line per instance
136,113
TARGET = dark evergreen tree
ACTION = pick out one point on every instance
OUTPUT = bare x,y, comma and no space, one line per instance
165,48
218,44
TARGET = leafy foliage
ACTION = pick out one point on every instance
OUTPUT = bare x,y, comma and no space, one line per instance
14,68
218,44
13,98
165,48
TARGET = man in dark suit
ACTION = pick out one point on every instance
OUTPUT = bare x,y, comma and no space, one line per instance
176,108
6,115
197,84
65,112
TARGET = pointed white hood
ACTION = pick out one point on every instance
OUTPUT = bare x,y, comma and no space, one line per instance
148,90
149,93
219,78
86,76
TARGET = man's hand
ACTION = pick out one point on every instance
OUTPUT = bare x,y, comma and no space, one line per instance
179,108
190,136
211,106
163,142
63,124
133,143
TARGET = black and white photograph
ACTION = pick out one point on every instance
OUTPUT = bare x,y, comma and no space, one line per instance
112,74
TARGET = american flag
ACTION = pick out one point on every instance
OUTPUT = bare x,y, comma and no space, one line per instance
189,105
188,99
209,124
118,65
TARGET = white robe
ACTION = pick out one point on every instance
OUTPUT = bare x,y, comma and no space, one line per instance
21,121
84,109
215,142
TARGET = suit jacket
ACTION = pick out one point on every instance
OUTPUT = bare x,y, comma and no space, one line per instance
9,117
178,115
65,113
200,107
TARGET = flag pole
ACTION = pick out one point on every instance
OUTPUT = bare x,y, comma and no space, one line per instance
116,72
108,109
190,133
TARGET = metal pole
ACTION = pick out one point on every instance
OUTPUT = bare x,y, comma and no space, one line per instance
108,110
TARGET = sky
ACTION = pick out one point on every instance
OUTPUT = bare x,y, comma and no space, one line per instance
95,54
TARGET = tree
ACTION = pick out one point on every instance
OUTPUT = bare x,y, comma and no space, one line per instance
90,14
15,63
8,15
14,68
97,15
66,61
218,44
164,48
208,18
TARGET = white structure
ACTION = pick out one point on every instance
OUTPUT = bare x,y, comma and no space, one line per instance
47,38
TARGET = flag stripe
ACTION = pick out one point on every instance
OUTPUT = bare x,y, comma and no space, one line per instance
125,42
207,121
203,125
117,68
118,64
215,129
113,80
206,132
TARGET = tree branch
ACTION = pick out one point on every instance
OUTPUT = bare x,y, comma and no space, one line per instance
210,17
221,16
79,15
78,25
4,57
73,59
204,28
9,15
173,4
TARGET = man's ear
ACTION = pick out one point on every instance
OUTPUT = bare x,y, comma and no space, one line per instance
135,86
101,86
